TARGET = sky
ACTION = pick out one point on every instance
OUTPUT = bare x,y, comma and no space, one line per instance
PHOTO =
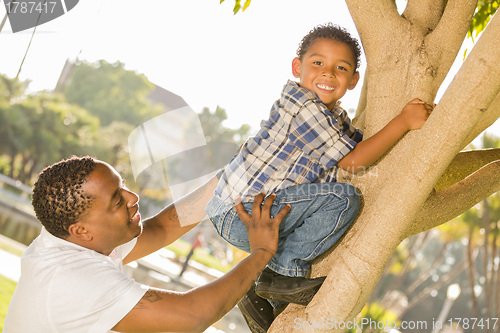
196,49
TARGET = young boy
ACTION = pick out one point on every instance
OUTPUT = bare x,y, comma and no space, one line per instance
295,158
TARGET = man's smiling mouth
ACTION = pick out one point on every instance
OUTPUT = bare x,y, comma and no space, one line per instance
135,217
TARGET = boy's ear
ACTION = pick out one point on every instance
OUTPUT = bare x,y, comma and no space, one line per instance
296,67
354,81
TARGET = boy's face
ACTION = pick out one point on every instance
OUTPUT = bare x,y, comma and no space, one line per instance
328,69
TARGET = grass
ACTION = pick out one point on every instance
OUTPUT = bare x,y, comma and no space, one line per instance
7,286
12,249
6,290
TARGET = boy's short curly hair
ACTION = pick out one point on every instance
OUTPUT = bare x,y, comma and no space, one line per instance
334,32
58,198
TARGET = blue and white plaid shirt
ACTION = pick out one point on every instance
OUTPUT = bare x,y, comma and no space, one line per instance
300,143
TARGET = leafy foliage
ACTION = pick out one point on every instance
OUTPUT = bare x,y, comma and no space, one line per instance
214,131
484,12
111,93
375,313
40,129
237,5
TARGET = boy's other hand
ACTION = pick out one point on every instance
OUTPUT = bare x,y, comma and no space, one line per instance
262,229
415,113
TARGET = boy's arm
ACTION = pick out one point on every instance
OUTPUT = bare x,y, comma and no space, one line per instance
413,116
195,310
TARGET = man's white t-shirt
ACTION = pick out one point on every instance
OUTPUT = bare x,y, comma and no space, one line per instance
67,288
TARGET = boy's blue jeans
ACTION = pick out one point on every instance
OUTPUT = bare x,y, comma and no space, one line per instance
320,214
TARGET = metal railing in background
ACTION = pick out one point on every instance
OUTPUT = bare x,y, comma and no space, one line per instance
17,218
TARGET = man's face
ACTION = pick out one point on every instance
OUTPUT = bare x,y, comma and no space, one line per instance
113,219
328,69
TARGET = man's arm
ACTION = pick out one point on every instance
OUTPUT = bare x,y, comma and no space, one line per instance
173,221
413,116
197,309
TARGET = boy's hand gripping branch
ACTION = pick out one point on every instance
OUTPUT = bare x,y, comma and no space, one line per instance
412,117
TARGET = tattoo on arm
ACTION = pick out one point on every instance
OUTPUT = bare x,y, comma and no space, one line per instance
186,208
150,296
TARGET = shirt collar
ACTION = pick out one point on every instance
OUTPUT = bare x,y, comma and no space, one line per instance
48,240
291,85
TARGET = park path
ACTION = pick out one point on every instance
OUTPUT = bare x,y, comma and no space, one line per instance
10,265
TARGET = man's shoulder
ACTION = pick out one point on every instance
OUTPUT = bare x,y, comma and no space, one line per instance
49,256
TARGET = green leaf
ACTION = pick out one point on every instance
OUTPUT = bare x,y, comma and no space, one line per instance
247,3
237,7
484,12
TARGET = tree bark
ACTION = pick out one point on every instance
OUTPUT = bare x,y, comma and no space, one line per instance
465,164
447,204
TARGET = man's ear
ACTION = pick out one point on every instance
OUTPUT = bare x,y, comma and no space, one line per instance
354,81
296,63
78,231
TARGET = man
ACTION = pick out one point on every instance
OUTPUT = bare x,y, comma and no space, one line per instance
71,279
198,241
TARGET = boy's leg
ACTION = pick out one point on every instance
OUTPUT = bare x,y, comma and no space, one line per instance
323,212
320,214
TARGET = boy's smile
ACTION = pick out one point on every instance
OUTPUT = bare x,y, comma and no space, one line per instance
328,69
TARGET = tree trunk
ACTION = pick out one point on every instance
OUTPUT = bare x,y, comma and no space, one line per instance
31,171
471,274
12,163
407,57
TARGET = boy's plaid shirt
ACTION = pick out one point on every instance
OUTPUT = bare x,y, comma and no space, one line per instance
300,143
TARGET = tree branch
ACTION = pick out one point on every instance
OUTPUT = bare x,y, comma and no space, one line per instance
449,34
490,116
425,275
424,13
445,279
464,164
447,204
374,20
361,103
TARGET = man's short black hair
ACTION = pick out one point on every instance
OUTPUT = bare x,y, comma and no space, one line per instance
334,32
58,198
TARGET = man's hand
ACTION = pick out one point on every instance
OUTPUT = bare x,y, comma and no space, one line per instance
262,229
415,113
